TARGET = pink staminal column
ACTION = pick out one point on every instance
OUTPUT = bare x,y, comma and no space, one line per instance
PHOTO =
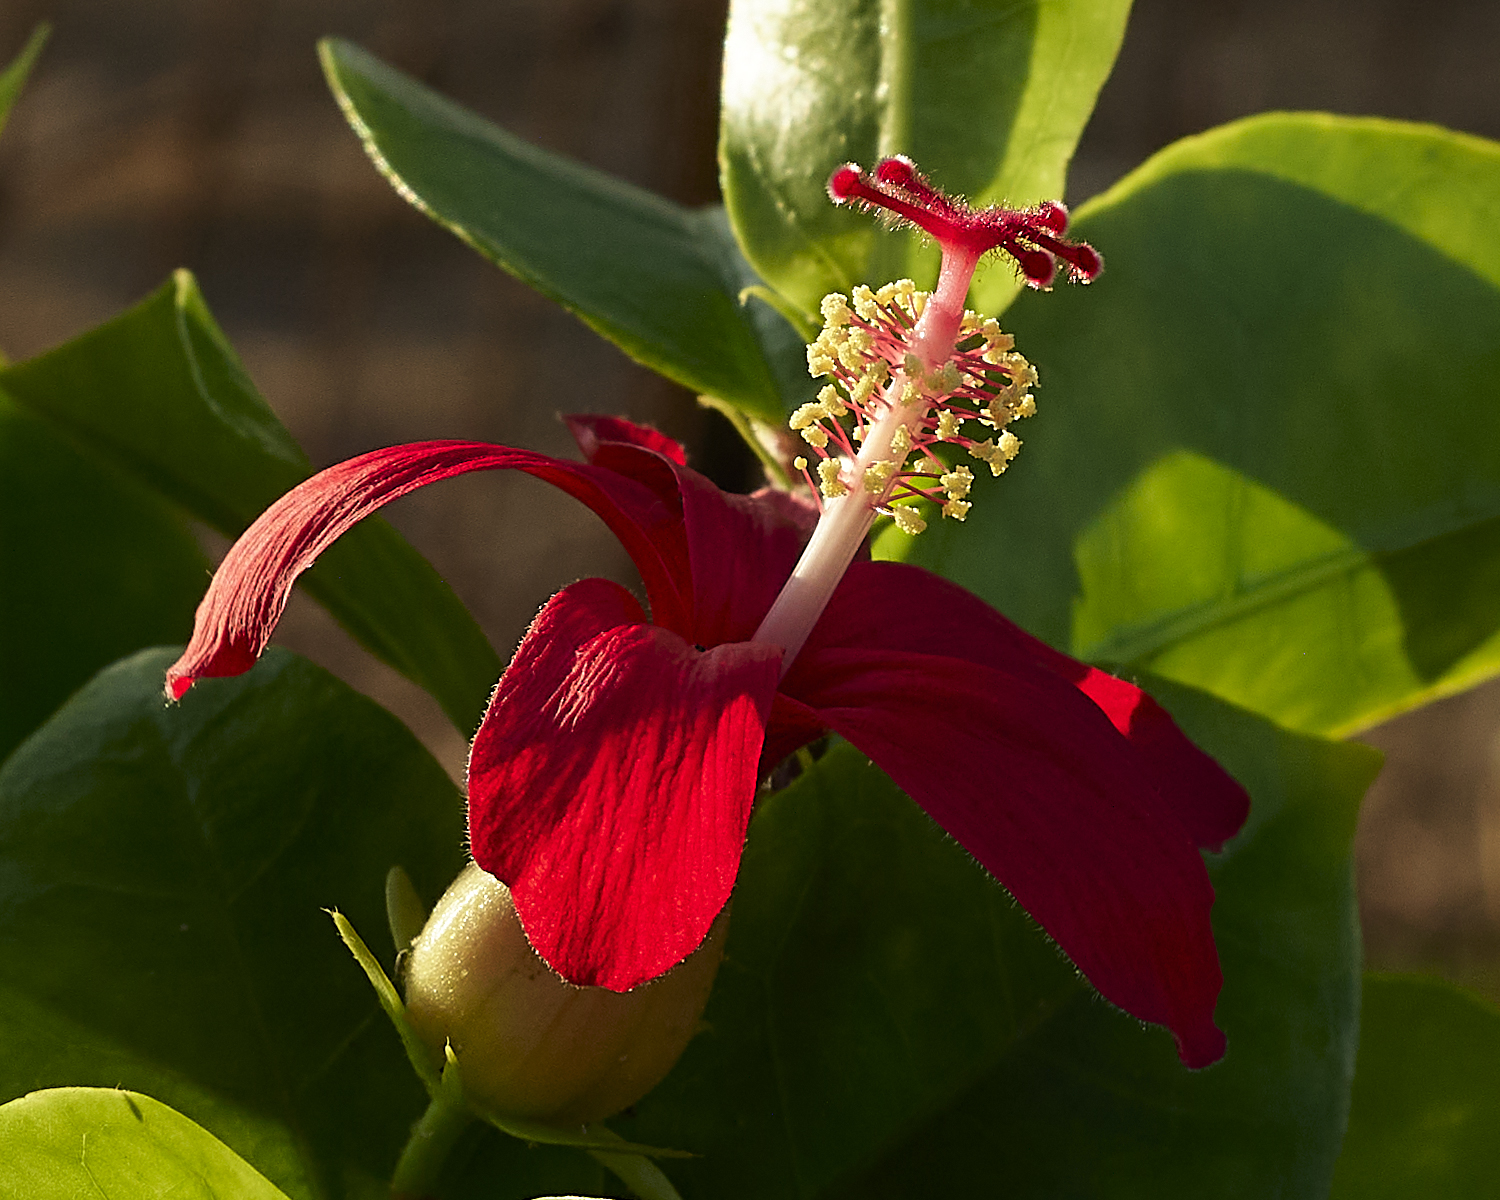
912,368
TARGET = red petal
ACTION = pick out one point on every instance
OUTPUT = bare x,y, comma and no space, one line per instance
743,549
590,432
611,782
251,587
939,617
1034,781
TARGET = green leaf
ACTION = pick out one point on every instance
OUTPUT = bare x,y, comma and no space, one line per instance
1265,462
160,393
988,96
888,1023
1426,1114
93,566
163,872
70,1142
13,77
658,280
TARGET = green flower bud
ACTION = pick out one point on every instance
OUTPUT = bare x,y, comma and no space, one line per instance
530,1044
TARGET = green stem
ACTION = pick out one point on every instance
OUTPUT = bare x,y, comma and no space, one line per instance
641,1175
432,1139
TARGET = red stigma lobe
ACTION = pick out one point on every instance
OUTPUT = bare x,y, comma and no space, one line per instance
1031,236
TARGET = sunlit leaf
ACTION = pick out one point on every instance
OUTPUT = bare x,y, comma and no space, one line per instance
988,96
1266,459
69,1142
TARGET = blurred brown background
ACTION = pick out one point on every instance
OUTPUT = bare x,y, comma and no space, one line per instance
165,133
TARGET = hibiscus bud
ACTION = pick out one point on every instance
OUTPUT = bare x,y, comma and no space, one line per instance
530,1044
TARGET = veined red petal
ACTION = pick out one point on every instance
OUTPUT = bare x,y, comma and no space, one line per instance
1031,777
743,549
740,548
939,617
611,781
251,587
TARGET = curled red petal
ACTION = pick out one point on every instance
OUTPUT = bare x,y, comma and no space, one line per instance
611,781
949,620
1034,781
251,587
592,432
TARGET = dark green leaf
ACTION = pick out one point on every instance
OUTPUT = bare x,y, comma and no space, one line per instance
13,77
656,279
93,566
988,96
162,876
1266,461
1426,1114
888,1023
160,393
70,1142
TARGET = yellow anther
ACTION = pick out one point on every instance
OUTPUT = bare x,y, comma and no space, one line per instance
946,378
885,294
919,303
957,509
957,482
907,520
864,388
878,475
815,435
970,324
910,392
831,402
1026,407
805,416
997,454
835,309
947,426
829,482
864,303
799,463
901,441
912,365
818,361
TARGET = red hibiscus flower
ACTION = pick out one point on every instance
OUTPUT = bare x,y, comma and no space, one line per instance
612,778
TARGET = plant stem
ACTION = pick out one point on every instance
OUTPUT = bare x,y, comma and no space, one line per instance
432,1139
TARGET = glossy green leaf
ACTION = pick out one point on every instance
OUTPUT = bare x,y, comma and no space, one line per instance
1426,1114
657,279
13,77
1266,461
163,875
988,96
116,1145
888,1023
160,393
93,566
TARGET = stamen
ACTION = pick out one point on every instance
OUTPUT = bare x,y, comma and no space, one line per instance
907,369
